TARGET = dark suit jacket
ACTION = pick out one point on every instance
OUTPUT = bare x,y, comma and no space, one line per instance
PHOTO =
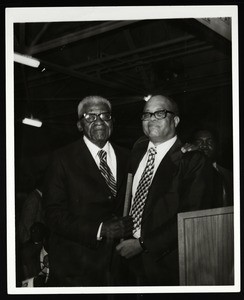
77,200
31,212
182,182
226,180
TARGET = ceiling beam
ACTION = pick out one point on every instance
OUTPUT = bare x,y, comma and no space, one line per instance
73,70
202,32
220,25
132,46
79,35
167,57
156,56
114,99
122,65
191,84
132,52
197,84
40,34
84,77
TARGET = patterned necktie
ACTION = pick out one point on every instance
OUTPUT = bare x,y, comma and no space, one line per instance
142,190
106,172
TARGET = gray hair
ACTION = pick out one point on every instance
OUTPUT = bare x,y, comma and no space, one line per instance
93,100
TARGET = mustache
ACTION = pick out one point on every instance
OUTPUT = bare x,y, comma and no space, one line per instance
99,126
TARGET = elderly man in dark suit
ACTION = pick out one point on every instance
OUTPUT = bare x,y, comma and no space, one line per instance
165,182
81,202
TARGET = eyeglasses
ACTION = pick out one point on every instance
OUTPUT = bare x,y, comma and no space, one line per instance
159,114
92,117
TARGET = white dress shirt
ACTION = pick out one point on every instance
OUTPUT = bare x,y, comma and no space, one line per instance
161,149
111,161
111,158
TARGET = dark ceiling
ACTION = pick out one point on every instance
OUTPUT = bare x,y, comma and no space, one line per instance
123,61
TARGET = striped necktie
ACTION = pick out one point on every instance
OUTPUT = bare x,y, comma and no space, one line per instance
106,172
142,190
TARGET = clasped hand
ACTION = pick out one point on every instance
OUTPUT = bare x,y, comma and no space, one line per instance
129,248
117,228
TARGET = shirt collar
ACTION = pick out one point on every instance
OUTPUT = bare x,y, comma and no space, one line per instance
94,148
164,145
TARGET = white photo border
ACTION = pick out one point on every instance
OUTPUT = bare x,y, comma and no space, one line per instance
61,14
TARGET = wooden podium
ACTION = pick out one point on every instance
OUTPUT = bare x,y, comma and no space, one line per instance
206,247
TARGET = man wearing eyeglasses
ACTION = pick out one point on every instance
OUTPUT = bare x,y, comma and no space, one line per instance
165,182
82,206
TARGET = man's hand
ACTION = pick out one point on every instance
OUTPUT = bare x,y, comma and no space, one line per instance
129,248
117,228
189,147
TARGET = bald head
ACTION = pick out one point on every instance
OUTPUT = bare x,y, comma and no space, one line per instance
171,104
161,127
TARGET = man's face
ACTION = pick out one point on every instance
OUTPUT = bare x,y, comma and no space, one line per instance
205,142
159,131
98,131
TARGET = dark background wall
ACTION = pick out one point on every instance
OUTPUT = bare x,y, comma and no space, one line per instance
123,62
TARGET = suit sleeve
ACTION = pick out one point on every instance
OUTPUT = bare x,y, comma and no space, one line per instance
194,192
196,188
59,217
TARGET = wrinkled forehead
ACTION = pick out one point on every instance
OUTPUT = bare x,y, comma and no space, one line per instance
157,103
96,106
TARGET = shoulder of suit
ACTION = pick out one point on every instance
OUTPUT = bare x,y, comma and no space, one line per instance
140,145
194,161
69,148
193,156
120,150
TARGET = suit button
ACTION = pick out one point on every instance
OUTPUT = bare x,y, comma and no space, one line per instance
109,197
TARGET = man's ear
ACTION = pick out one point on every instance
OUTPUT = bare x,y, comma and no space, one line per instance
79,126
176,120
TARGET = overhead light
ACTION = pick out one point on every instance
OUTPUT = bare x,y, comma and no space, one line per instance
32,122
146,98
26,60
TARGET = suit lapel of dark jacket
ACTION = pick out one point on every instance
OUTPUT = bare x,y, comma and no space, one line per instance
122,161
163,177
137,155
173,154
88,165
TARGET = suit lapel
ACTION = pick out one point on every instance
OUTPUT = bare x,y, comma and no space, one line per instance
163,177
87,163
137,155
122,161
89,166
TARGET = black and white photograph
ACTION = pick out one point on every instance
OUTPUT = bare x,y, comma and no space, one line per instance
122,148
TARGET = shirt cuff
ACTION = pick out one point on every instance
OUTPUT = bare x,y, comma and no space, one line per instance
99,238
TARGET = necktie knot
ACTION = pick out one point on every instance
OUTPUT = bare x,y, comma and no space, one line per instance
102,155
152,151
